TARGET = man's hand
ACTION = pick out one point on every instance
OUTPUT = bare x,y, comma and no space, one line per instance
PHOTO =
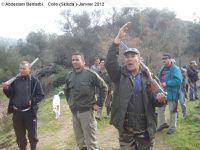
122,33
95,107
161,98
163,84
4,85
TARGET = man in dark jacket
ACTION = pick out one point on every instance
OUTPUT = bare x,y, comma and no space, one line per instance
104,75
24,93
80,94
133,106
193,78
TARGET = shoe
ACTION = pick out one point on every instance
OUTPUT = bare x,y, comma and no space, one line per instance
163,126
170,131
196,98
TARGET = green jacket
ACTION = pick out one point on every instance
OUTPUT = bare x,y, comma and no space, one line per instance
123,91
80,90
104,75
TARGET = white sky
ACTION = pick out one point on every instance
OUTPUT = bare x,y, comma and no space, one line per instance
17,22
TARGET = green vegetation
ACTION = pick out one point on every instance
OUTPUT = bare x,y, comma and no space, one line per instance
188,129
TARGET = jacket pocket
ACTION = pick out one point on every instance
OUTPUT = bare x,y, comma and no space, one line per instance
85,88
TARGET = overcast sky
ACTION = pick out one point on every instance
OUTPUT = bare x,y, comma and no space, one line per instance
17,22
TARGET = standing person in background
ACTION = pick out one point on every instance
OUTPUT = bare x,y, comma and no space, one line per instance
80,94
186,81
24,93
133,105
193,78
104,75
95,67
170,78
183,91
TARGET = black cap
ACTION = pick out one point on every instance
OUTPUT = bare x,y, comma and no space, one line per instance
166,56
133,50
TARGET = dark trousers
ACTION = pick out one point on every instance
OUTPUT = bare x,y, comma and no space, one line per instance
22,122
128,141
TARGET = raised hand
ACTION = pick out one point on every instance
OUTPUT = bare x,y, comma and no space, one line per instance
122,33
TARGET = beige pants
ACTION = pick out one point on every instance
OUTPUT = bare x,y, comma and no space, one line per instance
173,115
85,125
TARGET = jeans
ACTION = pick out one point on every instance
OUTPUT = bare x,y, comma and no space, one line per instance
182,102
193,91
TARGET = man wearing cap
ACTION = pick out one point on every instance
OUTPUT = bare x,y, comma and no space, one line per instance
170,77
133,106
193,78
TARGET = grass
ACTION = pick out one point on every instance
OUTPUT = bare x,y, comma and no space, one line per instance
187,135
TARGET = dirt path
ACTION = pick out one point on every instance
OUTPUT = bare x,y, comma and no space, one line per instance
108,138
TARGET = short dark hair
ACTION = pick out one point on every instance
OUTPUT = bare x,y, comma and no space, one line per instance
25,63
80,54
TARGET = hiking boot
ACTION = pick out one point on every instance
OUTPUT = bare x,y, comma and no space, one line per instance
170,131
163,126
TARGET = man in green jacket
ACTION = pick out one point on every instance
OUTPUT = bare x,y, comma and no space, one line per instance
133,106
80,94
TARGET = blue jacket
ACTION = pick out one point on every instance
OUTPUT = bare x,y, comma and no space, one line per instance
173,79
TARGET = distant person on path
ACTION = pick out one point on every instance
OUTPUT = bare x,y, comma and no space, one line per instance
133,105
193,78
170,77
24,93
80,94
104,75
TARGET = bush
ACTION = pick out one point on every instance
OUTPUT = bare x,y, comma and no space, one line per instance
55,80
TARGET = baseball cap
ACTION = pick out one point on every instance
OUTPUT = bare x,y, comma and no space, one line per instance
132,50
193,62
166,56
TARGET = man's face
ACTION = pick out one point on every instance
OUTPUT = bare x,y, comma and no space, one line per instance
97,61
102,65
193,65
24,69
166,62
132,61
77,62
